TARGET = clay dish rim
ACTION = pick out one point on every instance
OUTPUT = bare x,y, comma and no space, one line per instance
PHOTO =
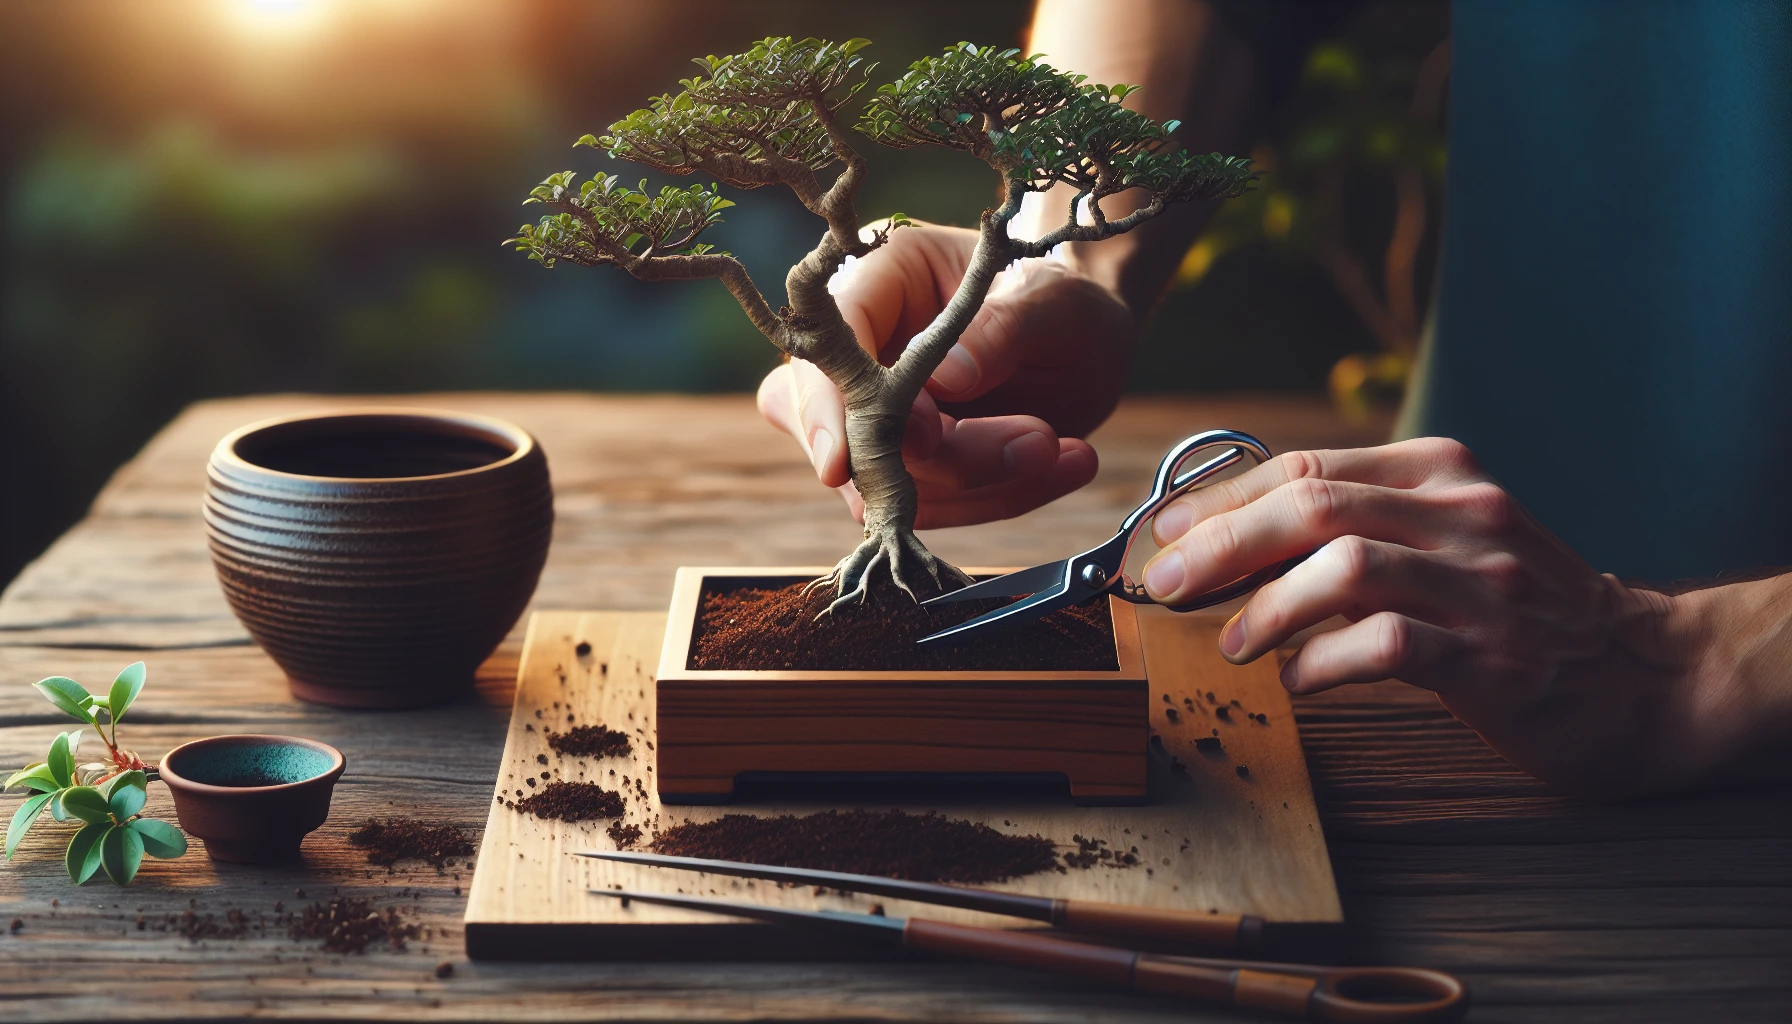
510,433
174,779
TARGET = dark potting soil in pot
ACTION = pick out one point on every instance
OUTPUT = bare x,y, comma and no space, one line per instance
765,624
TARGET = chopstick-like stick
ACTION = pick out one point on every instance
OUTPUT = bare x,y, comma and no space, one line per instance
1217,931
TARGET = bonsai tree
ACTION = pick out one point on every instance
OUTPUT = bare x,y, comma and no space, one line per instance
776,115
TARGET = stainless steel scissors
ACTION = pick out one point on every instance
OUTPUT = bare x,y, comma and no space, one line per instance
1101,569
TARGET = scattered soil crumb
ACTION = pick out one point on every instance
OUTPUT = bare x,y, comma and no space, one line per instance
590,741
573,801
1209,745
1243,771
923,847
1092,852
626,836
394,839
350,925
195,927
445,969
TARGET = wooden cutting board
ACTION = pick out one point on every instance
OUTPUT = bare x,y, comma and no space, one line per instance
1232,830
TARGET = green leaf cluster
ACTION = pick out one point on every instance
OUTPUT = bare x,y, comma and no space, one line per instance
769,115
957,99
602,221
751,119
107,797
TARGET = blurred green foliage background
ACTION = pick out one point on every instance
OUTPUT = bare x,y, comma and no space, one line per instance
219,197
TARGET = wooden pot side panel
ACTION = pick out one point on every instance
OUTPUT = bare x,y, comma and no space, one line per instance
1208,839
1095,736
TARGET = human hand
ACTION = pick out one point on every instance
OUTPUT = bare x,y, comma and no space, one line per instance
997,432
1450,585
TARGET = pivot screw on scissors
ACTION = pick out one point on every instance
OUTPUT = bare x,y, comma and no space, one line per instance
1054,585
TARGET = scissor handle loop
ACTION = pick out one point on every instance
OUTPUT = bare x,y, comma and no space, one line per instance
1372,995
1168,485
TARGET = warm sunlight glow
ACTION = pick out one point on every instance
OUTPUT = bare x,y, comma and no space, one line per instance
277,17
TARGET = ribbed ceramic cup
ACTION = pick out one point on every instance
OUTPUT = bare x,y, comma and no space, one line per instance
252,798
379,555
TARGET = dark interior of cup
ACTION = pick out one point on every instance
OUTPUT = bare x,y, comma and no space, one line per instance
373,447
252,764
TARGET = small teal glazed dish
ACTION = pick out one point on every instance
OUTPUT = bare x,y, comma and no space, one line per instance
252,798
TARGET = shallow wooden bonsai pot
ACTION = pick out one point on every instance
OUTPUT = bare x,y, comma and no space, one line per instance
1089,727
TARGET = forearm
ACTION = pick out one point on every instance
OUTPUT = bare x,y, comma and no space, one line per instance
1193,68
1739,694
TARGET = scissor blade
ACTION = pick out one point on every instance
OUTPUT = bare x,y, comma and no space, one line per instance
1026,581
778,915
1037,908
1038,606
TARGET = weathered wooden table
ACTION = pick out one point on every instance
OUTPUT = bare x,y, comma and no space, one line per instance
1550,908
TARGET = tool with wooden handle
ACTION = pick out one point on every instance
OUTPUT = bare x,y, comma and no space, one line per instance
1347,995
1214,931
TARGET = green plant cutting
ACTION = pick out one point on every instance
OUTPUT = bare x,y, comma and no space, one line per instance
777,115
105,796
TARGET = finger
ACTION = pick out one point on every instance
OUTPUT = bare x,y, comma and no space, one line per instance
1039,314
986,354
976,452
855,502
1352,577
1386,645
894,292
1292,520
1404,464
926,426
1075,466
801,401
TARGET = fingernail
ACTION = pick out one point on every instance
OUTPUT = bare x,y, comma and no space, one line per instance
1291,674
1164,575
1173,522
1031,450
1232,637
957,372
821,448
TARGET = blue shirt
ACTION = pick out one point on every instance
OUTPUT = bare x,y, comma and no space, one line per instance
1613,332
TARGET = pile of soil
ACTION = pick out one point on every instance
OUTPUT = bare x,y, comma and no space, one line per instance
590,741
923,847
395,839
773,626
349,925
573,801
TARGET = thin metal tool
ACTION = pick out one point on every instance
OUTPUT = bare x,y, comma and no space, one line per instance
1360,995
1216,931
1102,569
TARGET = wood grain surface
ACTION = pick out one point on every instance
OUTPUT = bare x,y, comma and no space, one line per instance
1209,839
1552,909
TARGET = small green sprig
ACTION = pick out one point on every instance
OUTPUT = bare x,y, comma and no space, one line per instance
106,796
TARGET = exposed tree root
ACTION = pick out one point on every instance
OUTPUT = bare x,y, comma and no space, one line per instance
902,555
